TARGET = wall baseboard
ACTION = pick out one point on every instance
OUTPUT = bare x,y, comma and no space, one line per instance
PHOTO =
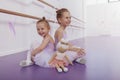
4,53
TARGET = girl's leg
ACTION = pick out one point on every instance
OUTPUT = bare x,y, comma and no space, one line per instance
58,68
64,68
29,60
81,53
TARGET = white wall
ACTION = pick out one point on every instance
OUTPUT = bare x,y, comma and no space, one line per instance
92,2
11,42
25,28
113,18
102,19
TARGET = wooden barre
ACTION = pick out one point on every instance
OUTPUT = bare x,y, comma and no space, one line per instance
22,15
78,19
28,16
18,14
47,4
57,9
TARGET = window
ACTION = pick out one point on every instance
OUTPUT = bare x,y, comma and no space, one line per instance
113,0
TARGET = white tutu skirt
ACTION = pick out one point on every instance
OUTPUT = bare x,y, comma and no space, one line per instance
42,58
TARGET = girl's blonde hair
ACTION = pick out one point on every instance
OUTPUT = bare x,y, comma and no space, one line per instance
45,21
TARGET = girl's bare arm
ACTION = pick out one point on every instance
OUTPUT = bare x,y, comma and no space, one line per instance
41,47
68,59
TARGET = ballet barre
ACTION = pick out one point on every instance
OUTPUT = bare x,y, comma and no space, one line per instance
29,16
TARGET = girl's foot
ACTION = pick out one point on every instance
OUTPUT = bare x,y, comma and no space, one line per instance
59,69
81,52
80,60
65,69
25,63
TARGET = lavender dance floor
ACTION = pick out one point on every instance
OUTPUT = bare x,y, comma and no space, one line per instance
103,63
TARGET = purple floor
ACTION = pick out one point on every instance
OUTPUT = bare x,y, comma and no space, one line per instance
103,63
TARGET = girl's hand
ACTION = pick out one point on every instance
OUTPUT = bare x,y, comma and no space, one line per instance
81,52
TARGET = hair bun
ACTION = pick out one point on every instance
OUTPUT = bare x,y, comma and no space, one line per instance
43,18
57,11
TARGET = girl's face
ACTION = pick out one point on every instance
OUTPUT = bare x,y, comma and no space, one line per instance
42,29
65,20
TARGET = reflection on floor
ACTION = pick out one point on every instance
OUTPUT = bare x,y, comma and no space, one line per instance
103,63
